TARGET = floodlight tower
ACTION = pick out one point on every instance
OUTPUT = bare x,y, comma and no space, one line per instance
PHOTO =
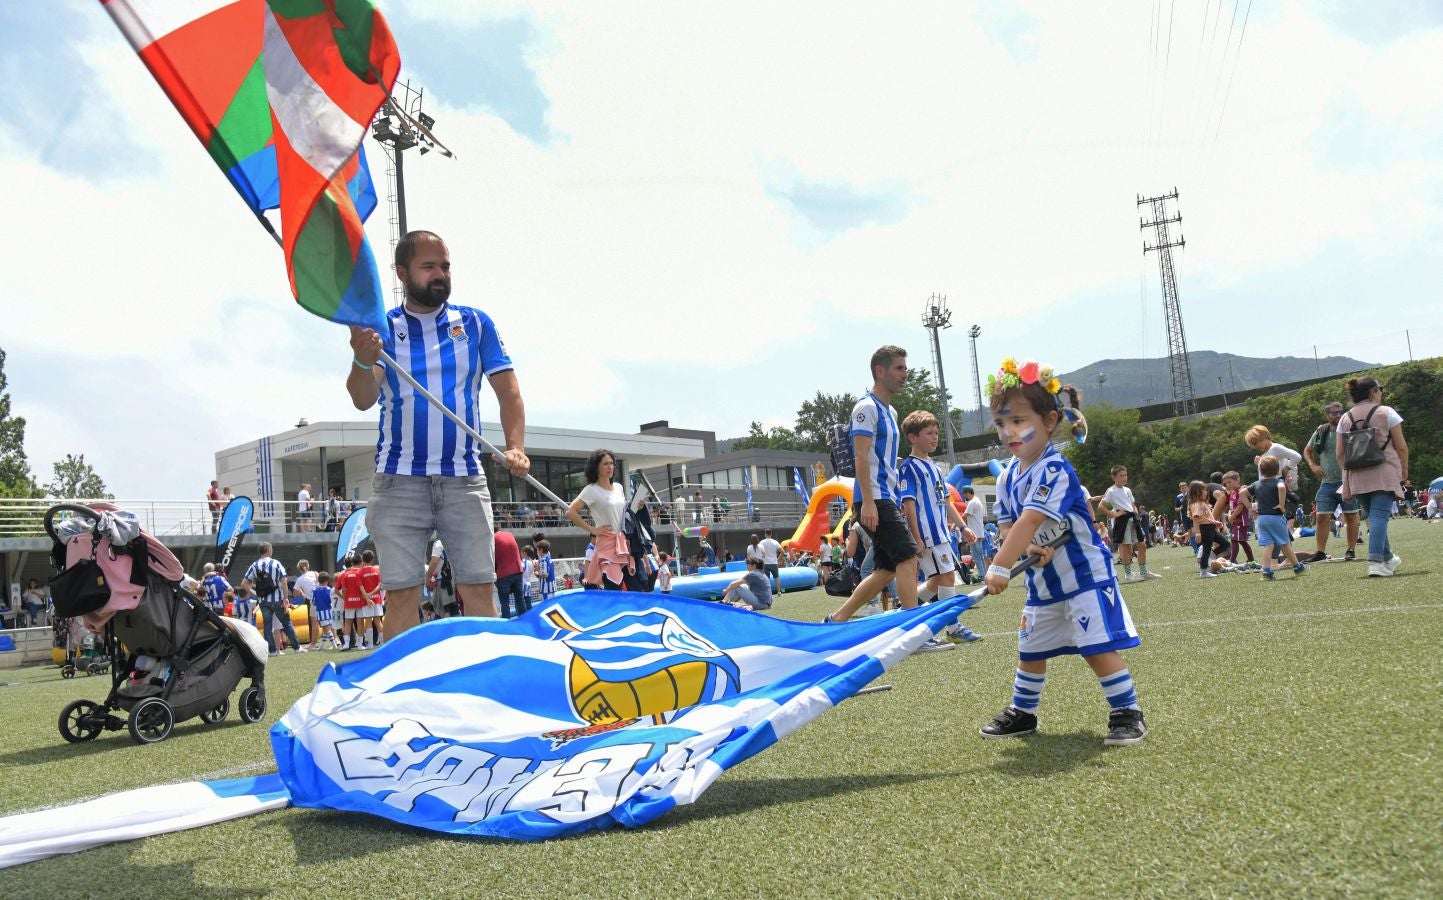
1184,401
936,316
975,332
399,126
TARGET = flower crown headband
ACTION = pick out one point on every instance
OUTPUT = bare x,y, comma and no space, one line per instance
1012,376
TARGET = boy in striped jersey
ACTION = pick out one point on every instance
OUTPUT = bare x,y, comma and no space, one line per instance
1073,604
876,443
929,510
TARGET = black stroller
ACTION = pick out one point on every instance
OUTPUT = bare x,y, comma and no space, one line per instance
171,657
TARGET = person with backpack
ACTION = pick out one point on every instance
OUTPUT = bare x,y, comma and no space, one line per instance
268,577
1321,452
1373,455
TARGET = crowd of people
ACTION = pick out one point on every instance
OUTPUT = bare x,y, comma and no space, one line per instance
1361,478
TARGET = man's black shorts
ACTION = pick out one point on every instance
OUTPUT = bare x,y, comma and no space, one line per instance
892,542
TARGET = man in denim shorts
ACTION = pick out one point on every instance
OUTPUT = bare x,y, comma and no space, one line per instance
428,471
1321,452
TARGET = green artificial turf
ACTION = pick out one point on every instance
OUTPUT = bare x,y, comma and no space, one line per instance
1294,751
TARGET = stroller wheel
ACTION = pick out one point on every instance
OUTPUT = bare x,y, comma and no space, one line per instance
151,720
77,724
219,713
67,671
92,669
252,704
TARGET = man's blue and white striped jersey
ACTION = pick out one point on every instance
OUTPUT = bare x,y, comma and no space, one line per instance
449,352
920,480
277,573
1051,487
878,421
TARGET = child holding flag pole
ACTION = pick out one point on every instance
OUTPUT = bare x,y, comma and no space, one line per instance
1074,604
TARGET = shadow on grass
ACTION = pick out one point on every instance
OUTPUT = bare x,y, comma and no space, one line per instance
179,878
1042,754
733,797
364,835
105,742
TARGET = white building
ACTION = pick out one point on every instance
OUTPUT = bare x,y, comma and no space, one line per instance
342,455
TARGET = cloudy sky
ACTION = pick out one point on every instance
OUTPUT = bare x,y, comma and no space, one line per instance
706,212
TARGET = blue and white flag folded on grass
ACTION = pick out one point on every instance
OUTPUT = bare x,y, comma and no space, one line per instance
588,711
600,707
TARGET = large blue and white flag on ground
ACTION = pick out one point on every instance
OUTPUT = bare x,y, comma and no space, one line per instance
598,708
588,711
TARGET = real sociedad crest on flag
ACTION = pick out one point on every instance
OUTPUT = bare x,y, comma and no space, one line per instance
641,664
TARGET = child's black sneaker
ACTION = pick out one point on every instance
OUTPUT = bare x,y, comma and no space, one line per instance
1124,728
1011,722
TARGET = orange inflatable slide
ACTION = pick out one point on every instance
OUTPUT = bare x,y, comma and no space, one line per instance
808,536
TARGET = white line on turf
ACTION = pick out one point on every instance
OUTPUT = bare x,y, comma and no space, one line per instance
1304,614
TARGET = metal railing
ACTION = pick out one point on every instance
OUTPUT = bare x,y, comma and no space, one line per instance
172,518
168,518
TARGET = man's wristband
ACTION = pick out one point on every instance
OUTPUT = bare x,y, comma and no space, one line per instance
1000,571
360,365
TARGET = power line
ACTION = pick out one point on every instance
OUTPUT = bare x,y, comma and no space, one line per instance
1162,98
1146,117
1236,53
1232,24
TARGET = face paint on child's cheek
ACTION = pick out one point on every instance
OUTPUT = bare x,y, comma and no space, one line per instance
1028,433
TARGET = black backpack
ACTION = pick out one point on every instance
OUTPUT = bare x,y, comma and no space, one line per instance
839,443
264,583
1361,449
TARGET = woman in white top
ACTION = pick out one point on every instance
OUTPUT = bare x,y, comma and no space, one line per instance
605,501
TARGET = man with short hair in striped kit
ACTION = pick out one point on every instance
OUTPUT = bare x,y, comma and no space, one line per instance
876,443
428,470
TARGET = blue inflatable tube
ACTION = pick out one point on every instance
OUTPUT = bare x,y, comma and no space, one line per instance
709,587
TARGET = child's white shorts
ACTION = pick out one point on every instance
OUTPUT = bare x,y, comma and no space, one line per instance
1089,622
938,560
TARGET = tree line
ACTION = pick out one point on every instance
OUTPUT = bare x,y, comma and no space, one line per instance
1159,456
815,417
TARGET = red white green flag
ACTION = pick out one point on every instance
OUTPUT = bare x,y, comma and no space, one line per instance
288,83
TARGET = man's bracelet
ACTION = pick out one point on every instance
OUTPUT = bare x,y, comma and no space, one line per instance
360,365
1000,571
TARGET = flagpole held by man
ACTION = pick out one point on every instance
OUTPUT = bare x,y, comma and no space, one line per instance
428,470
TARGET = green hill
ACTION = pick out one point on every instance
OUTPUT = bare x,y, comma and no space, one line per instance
1139,382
